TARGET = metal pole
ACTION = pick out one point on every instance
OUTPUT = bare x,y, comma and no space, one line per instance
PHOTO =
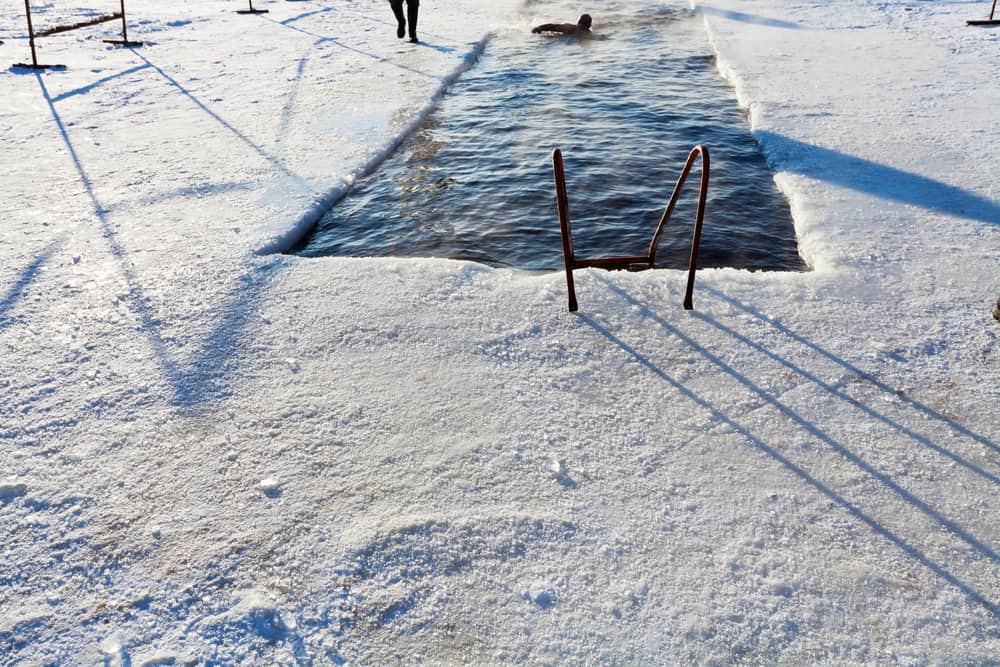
124,41
251,10
124,28
696,241
562,203
31,33
993,9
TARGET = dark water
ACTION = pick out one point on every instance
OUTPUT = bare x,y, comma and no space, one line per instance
474,181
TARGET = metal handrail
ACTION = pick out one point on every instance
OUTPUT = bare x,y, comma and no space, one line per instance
73,26
634,262
32,34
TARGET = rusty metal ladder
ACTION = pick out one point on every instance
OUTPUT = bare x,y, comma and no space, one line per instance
637,262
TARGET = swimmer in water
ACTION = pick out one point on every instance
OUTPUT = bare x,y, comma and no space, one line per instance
582,26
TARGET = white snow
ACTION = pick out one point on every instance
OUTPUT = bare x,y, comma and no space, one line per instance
803,469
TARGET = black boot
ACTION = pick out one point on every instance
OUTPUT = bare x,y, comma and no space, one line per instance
397,9
412,8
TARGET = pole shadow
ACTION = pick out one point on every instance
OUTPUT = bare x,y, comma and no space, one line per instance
204,377
304,15
18,289
86,89
323,39
872,178
273,160
285,119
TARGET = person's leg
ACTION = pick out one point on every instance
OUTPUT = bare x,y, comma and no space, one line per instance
412,9
397,9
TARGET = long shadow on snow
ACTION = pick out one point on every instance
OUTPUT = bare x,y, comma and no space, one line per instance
861,175
190,191
203,377
322,39
748,18
289,105
303,15
273,160
869,411
17,290
908,497
89,87
924,410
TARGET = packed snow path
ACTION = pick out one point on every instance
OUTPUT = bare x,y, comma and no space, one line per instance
211,453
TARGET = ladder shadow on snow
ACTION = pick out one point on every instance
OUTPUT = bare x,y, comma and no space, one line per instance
924,410
877,180
204,375
838,393
814,431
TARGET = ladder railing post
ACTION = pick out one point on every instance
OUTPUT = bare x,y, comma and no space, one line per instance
124,41
124,24
31,34
699,220
562,203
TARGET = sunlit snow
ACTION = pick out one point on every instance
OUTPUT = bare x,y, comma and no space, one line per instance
213,454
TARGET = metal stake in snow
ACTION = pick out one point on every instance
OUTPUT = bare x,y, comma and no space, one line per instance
124,41
990,21
72,26
251,10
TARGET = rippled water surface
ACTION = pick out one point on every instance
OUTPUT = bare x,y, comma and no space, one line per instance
625,106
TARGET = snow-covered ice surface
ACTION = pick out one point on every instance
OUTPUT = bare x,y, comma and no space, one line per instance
213,454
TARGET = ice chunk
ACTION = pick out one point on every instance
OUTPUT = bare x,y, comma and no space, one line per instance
270,487
11,488
254,611
541,594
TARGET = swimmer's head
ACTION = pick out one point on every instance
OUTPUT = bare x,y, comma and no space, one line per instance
584,21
